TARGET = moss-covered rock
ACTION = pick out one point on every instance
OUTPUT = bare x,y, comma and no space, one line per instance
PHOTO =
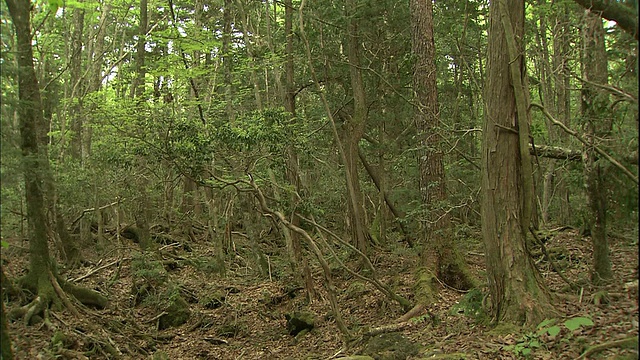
299,321
391,346
177,313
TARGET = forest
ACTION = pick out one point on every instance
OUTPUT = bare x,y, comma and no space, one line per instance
294,179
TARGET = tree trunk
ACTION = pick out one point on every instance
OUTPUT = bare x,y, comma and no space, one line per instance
76,82
292,172
5,340
595,107
138,86
561,53
518,294
440,257
354,129
31,115
41,272
227,59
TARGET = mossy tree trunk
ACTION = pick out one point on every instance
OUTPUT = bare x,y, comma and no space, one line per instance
440,257
42,273
518,294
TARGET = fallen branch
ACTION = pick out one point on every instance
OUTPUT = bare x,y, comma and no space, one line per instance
630,341
97,269
118,201
586,143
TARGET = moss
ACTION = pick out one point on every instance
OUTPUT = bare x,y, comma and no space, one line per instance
424,288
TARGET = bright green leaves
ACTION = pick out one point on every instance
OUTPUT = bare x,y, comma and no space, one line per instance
577,322
531,341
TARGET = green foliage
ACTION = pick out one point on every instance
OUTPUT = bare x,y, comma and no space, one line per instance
531,341
471,306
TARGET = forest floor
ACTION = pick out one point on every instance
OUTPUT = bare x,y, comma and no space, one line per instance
241,314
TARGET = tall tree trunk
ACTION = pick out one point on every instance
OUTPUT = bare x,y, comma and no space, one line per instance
292,172
518,293
138,86
244,19
548,101
31,115
227,58
561,53
598,125
41,272
67,245
77,84
354,129
440,256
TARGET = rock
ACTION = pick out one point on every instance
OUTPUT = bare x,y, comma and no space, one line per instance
299,321
177,313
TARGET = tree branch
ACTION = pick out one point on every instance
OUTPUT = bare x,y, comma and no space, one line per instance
615,11
577,136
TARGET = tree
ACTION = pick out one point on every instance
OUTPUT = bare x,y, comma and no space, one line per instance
598,125
517,292
440,257
42,277
354,129
625,16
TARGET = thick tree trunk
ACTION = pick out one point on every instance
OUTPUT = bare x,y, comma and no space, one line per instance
41,272
518,294
595,109
440,256
31,115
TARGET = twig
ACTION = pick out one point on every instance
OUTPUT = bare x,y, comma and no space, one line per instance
553,263
118,201
596,148
98,269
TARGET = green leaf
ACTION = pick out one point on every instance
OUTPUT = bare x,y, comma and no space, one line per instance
546,323
577,322
534,344
4,244
553,331
526,352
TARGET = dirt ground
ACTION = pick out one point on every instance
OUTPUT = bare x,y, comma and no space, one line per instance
248,320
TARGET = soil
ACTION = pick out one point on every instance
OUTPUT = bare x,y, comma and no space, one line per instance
241,314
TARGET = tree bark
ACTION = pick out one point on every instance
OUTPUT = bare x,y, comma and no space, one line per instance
598,125
518,294
76,82
440,256
41,272
292,171
31,115
354,129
